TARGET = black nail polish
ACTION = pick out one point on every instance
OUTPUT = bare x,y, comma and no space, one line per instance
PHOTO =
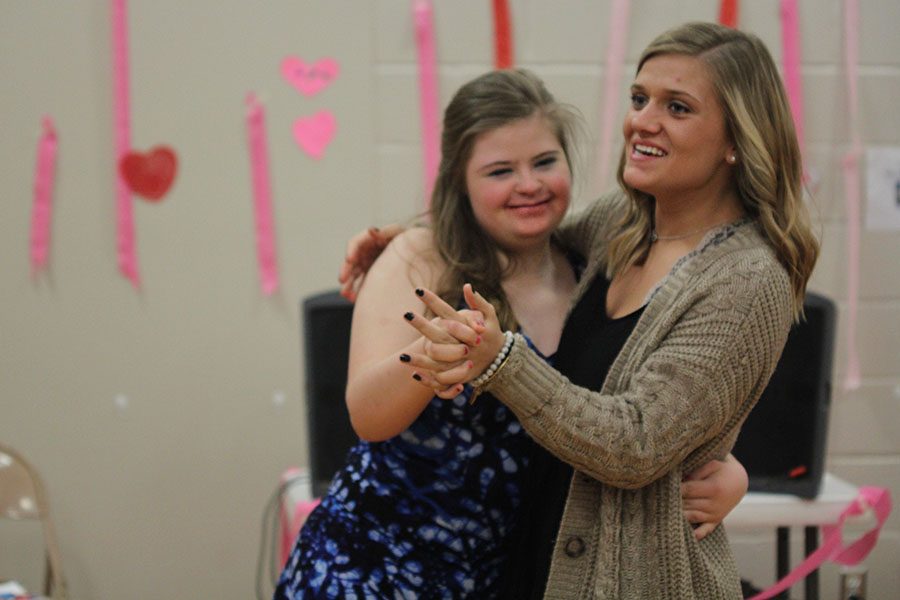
405,358
409,316
420,292
417,377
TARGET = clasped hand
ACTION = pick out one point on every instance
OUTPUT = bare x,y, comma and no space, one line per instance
458,344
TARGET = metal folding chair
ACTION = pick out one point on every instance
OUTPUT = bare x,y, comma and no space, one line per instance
22,496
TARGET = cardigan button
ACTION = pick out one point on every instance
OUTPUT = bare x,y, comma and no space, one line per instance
574,547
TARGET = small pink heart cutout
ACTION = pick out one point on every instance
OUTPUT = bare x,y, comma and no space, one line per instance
313,134
309,79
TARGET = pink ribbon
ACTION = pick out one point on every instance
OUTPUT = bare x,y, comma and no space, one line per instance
793,81
428,94
833,548
728,13
615,62
262,196
42,207
850,167
503,43
122,126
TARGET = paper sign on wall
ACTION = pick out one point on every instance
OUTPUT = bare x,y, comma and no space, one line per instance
883,188
309,79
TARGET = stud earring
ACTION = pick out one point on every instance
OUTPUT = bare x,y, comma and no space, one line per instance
732,159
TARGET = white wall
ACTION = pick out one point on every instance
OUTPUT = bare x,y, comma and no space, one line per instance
167,492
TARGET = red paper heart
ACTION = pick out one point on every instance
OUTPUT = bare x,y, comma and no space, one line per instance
150,175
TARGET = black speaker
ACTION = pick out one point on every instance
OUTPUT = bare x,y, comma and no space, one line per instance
326,325
782,443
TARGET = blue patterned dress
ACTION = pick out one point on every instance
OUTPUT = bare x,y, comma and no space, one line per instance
426,514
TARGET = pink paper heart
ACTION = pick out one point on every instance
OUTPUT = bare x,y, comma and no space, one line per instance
313,134
309,79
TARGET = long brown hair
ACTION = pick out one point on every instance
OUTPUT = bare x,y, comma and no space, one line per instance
768,175
490,101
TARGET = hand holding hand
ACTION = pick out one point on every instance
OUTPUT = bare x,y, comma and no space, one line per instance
471,337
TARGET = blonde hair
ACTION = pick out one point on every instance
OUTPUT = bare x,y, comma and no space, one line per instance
484,104
768,175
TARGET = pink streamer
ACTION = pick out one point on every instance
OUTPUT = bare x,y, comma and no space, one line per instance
728,13
428,93
793,81
615,62
833,548
42,209
503,39
850,166
262,196
122,125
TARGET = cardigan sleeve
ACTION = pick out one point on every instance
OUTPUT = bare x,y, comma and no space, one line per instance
694,387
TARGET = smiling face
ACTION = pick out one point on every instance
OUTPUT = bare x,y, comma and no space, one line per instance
675,138
518,181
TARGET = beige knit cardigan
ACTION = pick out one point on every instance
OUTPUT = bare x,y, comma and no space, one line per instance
675,397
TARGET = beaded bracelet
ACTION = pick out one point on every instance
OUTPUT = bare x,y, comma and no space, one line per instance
500,359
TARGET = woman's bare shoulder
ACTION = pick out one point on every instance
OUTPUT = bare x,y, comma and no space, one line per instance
415,247
417,239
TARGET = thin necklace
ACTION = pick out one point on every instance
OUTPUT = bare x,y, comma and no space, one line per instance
655,237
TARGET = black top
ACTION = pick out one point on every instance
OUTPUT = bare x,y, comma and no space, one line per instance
589,344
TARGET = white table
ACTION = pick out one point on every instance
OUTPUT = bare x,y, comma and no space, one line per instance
783,511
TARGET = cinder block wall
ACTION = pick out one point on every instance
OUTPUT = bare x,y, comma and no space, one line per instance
161,418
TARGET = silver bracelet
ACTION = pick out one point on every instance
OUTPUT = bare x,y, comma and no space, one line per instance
498,360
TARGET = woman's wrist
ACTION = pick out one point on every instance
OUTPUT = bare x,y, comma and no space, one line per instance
496,364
